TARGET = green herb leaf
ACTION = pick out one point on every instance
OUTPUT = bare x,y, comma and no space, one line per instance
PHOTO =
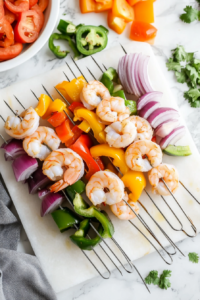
152,278
191,14
173,66
179,54
198,1
164,282
192,94
181,76
190,57
192,74
193,257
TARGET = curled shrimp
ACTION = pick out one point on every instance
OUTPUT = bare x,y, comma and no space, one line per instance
144,130
92,94
33,145
170,176
64,166
123,211
143,156
19,129
112,109
121,134
105,186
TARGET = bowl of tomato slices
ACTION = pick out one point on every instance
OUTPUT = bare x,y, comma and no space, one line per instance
25,26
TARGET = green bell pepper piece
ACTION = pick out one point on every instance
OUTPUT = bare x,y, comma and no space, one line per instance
66,27
72,190
112,74
81,241
82,209
65,218
95,37
56,49
120,94
173,150
131,104
107,82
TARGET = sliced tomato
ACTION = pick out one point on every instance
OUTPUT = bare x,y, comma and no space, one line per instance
17,6
10,52
9,16
32,2
28,27
40,13
43,4
1,9
6,34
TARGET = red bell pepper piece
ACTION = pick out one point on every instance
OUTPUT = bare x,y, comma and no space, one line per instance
64,131
57,118
76,134
75,105
81,146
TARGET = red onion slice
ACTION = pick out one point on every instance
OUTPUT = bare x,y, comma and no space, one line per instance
13,149
137,74
145,99
23,166
173,137
51,202
131,75
37,181
146,111
42,194
161,115
166,127
143,74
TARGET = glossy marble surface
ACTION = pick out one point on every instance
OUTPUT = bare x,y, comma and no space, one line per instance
172,32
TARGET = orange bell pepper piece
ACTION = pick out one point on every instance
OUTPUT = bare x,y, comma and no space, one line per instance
64,131
102,5
115,23
57,118
62,87
144,11
123,10
143,32
87,6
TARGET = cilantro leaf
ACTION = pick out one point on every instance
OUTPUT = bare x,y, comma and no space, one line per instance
179,54
193,257
192,74
192,95
181,76
152,278
173,66
195,104
196,64
191,14
190,56
164,282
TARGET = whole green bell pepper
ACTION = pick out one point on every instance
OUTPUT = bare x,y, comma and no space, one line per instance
80,239
82,209
65,218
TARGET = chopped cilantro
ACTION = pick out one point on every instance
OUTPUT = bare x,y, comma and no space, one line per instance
192,74
152,278
191,14
193,257
162,281
173,66
181,76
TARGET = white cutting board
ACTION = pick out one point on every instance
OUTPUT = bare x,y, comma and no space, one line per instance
62,262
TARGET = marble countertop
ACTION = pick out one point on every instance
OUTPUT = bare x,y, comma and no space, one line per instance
172,32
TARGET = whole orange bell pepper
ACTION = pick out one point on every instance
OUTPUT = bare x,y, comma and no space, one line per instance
115,23
123,10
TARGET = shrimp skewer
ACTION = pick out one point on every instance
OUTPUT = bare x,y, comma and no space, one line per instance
27,124
112,109
144,129
92,94
137,152
33,145
64,166
165,172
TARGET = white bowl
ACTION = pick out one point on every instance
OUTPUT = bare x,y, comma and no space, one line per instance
51,16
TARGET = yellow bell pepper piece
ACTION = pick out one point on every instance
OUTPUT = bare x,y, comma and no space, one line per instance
84,126
75,87
63,87
55,106
93,121
116,153
135,182
44,102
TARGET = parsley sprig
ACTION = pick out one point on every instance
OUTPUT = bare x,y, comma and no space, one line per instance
187,70
193,257
162,281
191,14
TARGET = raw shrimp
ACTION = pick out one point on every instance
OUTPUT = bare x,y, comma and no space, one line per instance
144,130
143,156
112,109
123,211
170,176
64,166
33,145
92,94
20,129
105,186
121,134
